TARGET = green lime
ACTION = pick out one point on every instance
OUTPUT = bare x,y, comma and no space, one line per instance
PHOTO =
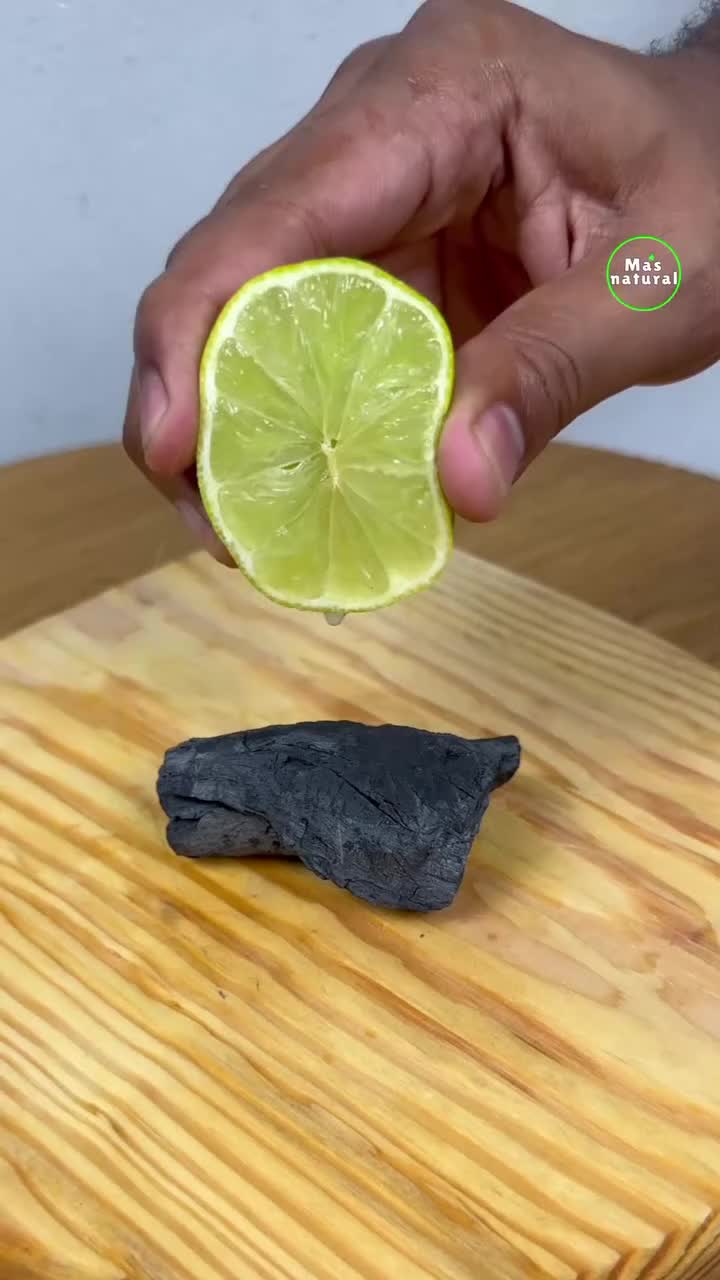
323,390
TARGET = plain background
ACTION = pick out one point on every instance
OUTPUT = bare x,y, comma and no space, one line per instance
121,121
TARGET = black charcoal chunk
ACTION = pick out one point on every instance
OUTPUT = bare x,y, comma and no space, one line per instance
388,813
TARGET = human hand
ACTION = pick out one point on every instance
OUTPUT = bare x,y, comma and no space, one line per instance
493,160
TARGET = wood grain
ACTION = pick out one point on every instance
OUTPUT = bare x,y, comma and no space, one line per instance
629,536
237,1072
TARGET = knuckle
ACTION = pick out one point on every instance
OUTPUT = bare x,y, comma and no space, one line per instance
550,380
242,181
150,312
358,63
176,250
361,57
182,245
147,303
310,225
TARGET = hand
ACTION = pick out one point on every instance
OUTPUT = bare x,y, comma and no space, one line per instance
493,160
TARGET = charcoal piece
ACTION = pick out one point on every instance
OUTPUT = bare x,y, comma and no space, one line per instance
388,813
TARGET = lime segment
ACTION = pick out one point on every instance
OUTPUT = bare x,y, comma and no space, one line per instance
323,389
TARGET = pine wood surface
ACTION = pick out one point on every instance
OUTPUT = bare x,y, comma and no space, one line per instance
626,535
234,1071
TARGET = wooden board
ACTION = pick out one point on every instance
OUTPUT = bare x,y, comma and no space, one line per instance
237,1072
623,534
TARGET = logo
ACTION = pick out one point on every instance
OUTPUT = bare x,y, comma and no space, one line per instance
644,273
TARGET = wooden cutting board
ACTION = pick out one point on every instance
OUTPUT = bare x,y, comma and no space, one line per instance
233,1070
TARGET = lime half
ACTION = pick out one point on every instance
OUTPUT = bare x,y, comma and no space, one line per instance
323,389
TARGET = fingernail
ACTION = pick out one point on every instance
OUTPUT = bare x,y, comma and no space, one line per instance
500,437
153,405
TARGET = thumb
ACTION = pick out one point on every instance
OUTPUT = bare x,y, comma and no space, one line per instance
552,355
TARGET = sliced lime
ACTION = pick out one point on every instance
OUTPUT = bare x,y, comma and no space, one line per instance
323,389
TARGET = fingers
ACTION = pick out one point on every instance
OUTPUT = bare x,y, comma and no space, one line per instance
341,190
180,490
323,189
177,312
548,358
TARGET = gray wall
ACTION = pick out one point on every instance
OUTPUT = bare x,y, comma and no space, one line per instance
121,122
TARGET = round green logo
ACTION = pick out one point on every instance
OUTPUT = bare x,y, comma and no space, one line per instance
644,273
